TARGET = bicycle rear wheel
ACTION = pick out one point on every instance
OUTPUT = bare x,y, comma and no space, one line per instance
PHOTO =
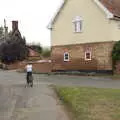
31,80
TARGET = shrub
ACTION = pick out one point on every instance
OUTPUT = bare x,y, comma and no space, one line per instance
46,52
116,53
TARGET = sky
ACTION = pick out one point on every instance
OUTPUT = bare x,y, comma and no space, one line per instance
33,17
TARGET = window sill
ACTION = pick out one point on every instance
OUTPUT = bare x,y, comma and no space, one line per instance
78,32
88,59
66,60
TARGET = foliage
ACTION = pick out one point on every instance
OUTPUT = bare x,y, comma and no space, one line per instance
1,31
46,52
91,103
116,52
13,48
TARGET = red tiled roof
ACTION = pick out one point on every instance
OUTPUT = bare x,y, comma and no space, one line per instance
33,53
113,6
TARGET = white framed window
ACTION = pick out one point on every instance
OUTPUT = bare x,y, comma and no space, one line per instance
88,55
78,24
66,56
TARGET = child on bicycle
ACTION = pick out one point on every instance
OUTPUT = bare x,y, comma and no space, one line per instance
29,70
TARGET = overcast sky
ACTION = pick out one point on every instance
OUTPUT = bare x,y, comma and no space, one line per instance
33,17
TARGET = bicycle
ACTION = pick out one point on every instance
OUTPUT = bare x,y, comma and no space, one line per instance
30,80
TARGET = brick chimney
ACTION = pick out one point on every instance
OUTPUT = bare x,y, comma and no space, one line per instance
14,25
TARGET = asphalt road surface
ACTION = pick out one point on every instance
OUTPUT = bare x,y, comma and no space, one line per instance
20,103
40,102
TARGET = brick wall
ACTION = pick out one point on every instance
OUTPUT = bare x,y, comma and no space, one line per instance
43,67
101,57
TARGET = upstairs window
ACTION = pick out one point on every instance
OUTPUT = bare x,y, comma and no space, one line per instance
78,24
66,56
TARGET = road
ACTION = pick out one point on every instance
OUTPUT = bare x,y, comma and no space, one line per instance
20,103
40,102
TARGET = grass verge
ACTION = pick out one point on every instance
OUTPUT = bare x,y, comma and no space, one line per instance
91,103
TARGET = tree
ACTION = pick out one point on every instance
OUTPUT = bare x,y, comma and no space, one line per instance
1,32
14,48
46,52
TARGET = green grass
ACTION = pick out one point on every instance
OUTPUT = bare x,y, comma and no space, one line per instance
91,103
116,77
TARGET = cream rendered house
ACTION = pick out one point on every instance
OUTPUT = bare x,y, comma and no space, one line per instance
83,33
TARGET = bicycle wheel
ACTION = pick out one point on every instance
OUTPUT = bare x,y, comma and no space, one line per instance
31,80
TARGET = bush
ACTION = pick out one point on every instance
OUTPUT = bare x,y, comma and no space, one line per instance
116,51
46,52
14,48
